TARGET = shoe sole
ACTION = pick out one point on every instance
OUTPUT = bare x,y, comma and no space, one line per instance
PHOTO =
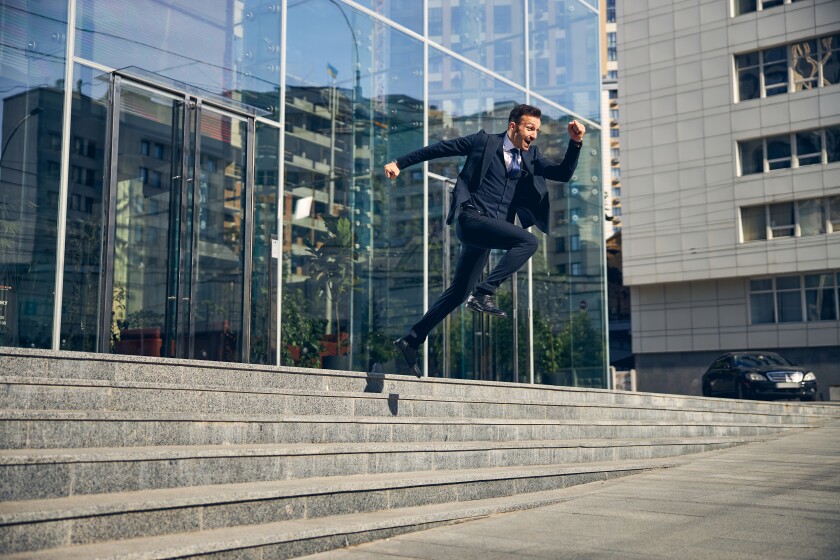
477,310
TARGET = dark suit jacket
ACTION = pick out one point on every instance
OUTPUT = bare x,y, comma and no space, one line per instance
531,199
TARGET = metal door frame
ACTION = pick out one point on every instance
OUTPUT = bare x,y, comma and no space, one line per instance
191,118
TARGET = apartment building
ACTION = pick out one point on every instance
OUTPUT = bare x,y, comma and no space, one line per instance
731,163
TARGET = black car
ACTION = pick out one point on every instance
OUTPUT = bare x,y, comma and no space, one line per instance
754,375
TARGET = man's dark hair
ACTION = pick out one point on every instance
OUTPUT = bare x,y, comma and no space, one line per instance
523,110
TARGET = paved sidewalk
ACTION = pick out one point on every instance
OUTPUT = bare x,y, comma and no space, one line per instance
773,500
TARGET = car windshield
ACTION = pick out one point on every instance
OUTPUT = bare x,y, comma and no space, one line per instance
761,360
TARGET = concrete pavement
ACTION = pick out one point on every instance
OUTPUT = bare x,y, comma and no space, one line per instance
778,499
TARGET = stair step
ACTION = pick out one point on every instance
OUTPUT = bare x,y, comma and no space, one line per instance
40,524
79,429
62,365
56,473
75,394
288,539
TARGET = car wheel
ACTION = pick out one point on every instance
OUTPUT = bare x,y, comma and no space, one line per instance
739,390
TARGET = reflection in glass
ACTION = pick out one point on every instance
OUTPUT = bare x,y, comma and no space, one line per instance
231,49
80,324
564,49
264,274
145,211
352,241
32,64
754,223
218,283
489,32
569,329
463,101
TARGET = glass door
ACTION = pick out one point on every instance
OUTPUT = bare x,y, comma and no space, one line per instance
176,237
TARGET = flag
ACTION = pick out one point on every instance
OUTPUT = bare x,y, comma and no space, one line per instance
331,70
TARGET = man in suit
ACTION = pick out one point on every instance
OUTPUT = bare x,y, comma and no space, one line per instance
503,177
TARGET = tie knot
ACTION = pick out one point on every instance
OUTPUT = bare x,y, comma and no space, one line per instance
514,151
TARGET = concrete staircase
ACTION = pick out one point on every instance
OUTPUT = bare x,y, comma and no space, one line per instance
111,456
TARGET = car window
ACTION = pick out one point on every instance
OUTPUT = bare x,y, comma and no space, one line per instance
761,360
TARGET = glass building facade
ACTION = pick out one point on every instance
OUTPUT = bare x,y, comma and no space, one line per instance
203,180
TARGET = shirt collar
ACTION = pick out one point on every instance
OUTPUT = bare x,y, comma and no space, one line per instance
507,145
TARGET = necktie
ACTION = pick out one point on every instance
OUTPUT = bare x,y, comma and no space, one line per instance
514,163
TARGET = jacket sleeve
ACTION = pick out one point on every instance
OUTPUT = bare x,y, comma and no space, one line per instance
562,171
445,148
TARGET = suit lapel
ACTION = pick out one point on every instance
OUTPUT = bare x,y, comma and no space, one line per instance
493,143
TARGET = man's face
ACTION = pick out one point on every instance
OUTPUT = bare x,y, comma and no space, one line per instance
525,132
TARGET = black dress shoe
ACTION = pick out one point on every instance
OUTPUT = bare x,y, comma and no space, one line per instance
483,303
410,355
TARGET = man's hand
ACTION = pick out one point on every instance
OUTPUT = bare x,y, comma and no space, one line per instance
391,170
576,131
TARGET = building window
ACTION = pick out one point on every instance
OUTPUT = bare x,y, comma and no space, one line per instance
612,48
781,220
784,151
749,6
574,242
802,218
820,297
754,223
145,147
794,298
610,11
612,74
616,210
616,191
576,269
788,68
560,245
762,309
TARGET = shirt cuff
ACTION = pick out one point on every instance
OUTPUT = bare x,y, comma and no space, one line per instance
575,143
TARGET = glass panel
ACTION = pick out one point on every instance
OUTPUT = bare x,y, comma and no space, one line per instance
761,309
778,152
830,51
147,197
485,31
231,49
752,156
834,213
754,223
564,45
352,240
749,83
787,283
775,70
264,273
811,217
408,14
218,281
781,219
569,330
806,64
771,3
32,60
821,305
761,284
832,144
809,147
462,102
80,319
790,306
819,280
744,6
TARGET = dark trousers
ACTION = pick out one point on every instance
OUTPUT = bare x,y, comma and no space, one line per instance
478,234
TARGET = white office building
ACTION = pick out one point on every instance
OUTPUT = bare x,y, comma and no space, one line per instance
730,159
